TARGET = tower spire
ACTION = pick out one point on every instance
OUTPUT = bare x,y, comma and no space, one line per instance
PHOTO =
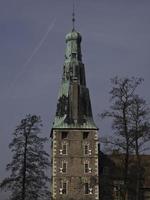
73,17
74,105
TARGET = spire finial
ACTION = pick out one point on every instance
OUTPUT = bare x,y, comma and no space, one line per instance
73,17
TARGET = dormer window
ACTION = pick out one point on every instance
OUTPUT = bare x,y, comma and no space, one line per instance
73,55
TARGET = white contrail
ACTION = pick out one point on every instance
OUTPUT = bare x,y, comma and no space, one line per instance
34,52
40,44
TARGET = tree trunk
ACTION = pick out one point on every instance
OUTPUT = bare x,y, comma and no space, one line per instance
138,167
126,165
24,169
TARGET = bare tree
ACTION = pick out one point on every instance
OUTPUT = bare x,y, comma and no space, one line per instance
122,94
140,132
28,179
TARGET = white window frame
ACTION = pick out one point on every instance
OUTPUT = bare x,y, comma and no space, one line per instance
61,150
89,189
89,151
61,169
62,187
89,168
86,151
86,166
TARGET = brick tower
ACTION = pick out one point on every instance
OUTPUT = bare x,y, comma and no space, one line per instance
74,135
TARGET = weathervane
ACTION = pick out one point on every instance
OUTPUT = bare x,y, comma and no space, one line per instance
73,17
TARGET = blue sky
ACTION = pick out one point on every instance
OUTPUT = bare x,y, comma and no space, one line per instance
116,41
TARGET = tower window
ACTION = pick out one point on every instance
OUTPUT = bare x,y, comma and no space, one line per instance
86,167
85,135
118,189
64,167
73,55
64,188
64,135
86,188
64,149
86,149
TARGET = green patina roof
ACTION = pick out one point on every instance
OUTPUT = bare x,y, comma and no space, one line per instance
73,35
74,105
64,89
59,124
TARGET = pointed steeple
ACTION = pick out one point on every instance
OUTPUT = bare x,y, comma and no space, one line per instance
74,105
73,18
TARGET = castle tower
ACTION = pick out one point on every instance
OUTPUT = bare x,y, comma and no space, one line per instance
74,134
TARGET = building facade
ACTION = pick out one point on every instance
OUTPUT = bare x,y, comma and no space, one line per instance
74,147
112,177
